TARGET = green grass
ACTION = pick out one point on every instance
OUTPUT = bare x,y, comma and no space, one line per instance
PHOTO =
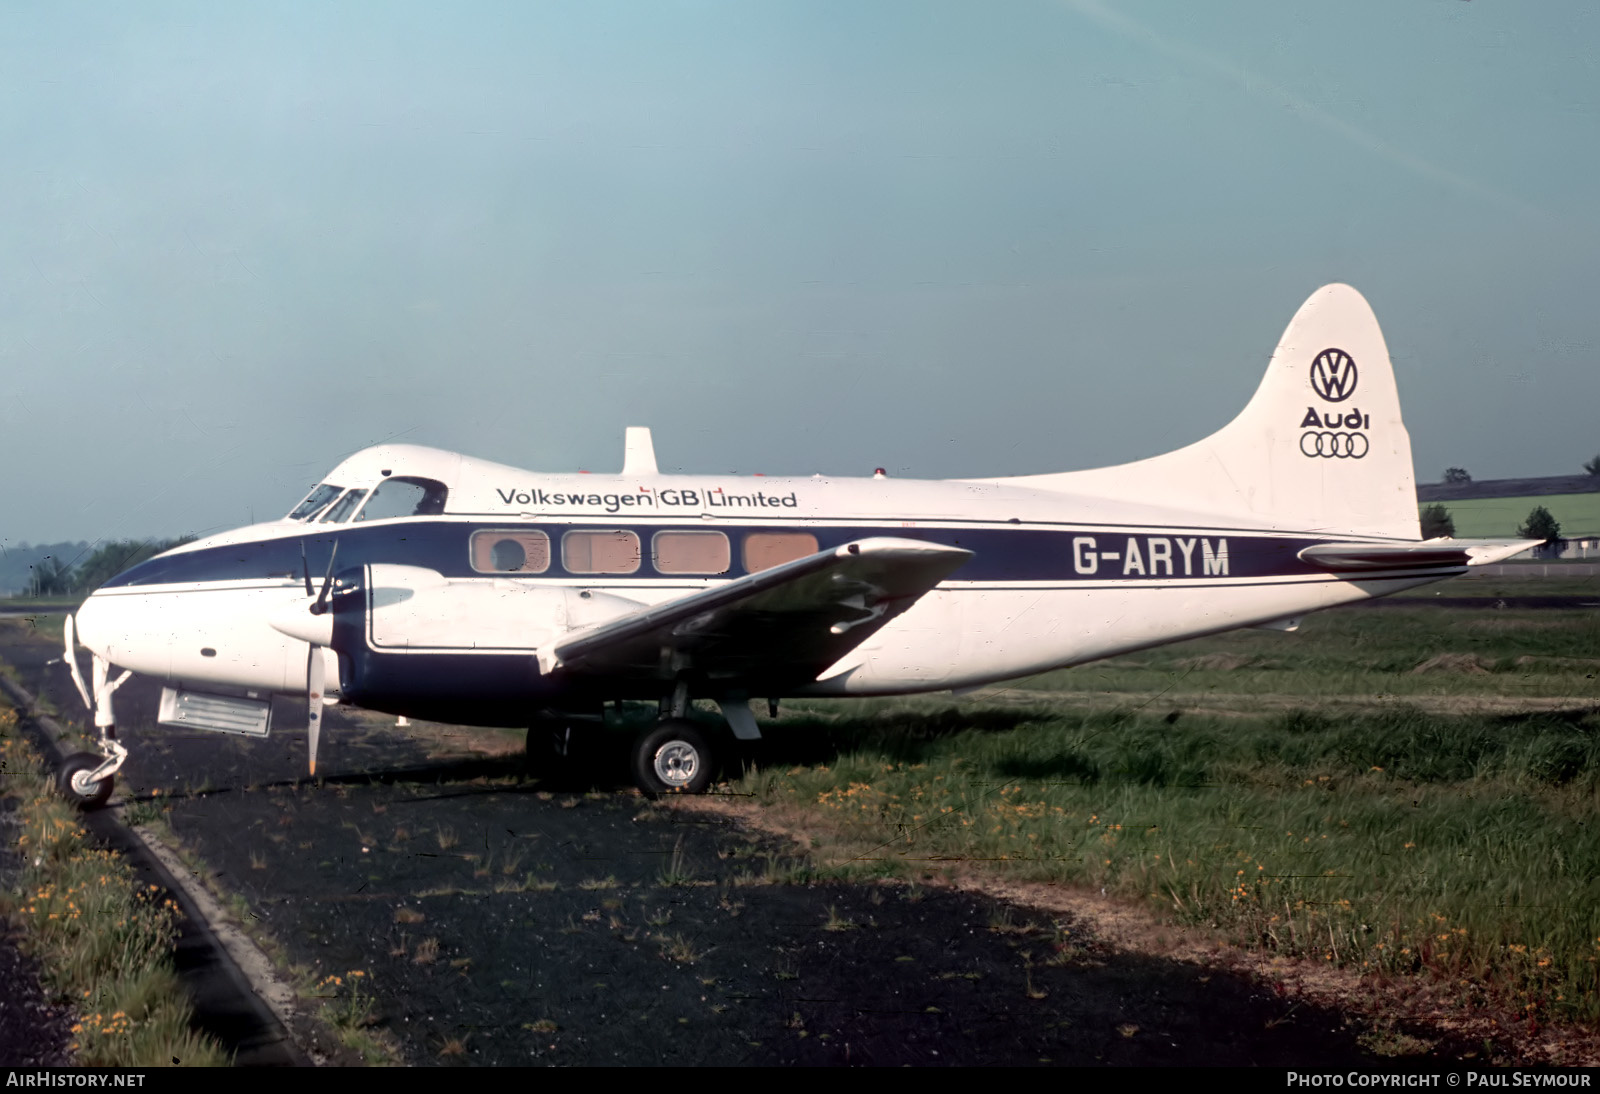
1323,800
1356,655
104,943
1536,582
1394,841
49,627
67,602
1485,517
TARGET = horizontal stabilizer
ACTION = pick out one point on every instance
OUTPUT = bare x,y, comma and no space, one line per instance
1356,557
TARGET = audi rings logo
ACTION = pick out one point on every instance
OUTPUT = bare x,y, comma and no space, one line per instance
1333,375
1334,446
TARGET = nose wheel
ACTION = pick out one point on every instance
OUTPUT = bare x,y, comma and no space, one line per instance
674,757
79,784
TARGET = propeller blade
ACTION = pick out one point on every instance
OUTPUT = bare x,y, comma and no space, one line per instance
69,633
314,681
305,569
327,582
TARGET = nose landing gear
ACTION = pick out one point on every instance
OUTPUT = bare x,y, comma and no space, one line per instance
87,779
78,784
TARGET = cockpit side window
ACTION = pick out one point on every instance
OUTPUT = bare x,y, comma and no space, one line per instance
340,510
319,497
405,496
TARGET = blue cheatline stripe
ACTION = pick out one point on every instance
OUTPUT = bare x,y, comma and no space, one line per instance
1065,555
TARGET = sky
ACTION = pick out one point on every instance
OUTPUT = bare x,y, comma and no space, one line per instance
239,242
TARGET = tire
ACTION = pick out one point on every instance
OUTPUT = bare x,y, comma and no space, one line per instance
673,758
85,795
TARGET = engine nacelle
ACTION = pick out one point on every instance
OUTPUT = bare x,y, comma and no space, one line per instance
412,641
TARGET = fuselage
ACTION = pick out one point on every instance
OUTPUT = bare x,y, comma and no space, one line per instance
492,561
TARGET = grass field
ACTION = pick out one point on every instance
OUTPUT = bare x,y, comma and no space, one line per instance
1476,583
1444,659
1576,513
1402,792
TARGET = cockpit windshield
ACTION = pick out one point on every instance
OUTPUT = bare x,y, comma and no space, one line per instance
340,510
405,496
315,501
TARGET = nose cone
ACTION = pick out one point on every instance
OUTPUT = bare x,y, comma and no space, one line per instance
90,623
124,631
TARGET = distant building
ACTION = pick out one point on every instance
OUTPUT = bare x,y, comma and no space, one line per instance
1584,546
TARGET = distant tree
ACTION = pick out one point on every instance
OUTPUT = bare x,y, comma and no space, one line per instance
1541,525
111,558
50,577
1456,474
1593,466
18,562
1436,522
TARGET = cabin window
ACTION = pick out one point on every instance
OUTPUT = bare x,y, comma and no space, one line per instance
764,550
340,510
691,552
319,497
600,552
510,551
405,496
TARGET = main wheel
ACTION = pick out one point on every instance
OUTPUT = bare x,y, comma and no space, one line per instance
76,787
674,757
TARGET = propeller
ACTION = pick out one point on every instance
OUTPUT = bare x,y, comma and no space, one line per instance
69,633
314,682
321,604
316,670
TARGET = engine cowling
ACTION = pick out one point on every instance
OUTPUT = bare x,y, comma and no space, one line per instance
412,641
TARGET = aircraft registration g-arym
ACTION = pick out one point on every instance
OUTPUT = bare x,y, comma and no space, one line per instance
429,584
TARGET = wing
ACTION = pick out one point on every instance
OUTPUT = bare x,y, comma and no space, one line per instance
778,627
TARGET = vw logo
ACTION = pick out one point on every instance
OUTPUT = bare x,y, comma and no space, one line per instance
1334,446
1333,375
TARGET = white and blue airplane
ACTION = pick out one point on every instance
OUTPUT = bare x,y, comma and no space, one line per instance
459,590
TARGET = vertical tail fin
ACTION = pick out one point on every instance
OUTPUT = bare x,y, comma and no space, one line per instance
1320,447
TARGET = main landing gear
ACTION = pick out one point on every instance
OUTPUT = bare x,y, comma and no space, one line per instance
672,755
